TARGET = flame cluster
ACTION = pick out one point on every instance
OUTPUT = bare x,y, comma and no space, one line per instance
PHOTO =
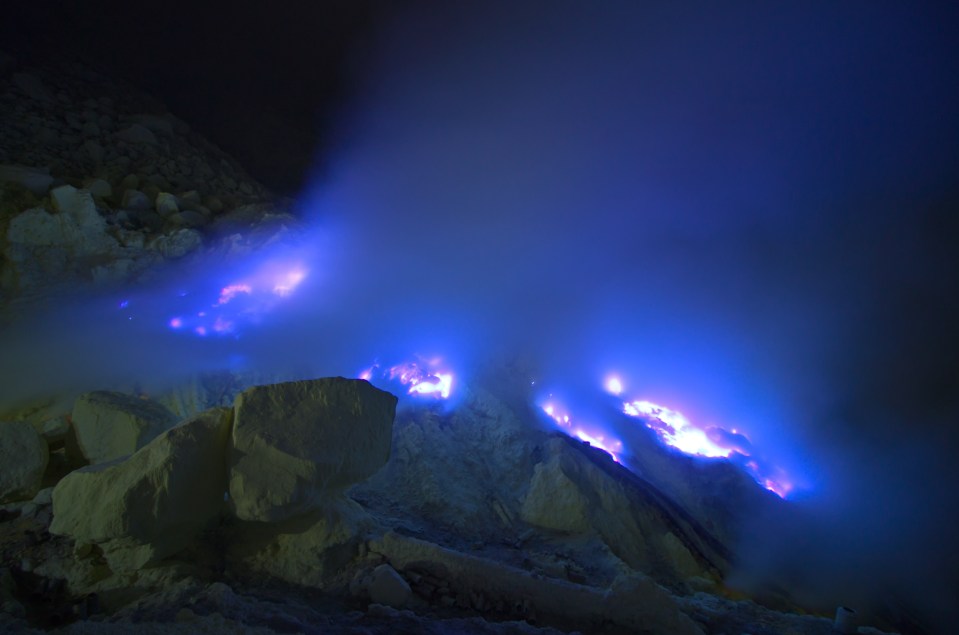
673,429
241,301
584,432
422,378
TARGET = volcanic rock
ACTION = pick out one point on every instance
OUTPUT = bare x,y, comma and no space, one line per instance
633,601
308,550
23,460
554,501
152,504
99,188
110,425
297,443
177,244
135,199
388,587
569,492
166,204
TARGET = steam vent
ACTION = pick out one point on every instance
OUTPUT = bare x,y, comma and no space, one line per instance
481,317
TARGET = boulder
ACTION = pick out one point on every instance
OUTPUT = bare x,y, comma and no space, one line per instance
110,425
135,199
99,188
298,443
388,587
554,501
166,204
152,504
581,491
23,460
79,205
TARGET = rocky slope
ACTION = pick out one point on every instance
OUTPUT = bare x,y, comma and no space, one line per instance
100,185
243,519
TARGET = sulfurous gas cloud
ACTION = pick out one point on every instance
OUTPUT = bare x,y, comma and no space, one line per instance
747,211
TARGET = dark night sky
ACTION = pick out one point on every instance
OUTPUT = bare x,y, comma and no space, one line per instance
261,80
754,202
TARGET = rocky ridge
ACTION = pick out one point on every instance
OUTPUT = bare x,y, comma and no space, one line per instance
449,525
100,185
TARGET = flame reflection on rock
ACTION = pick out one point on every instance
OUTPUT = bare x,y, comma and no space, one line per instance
589,433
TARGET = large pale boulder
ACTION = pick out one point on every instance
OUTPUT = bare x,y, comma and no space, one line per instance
23,460
296,444
110,425
554,501
152,504
585,493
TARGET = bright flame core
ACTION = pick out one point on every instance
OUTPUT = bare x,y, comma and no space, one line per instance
614,385
421,380
674,429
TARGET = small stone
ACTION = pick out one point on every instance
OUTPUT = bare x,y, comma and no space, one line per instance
137,133
82,549
130,181
388,587
99,188
135,200
44,497
166,204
